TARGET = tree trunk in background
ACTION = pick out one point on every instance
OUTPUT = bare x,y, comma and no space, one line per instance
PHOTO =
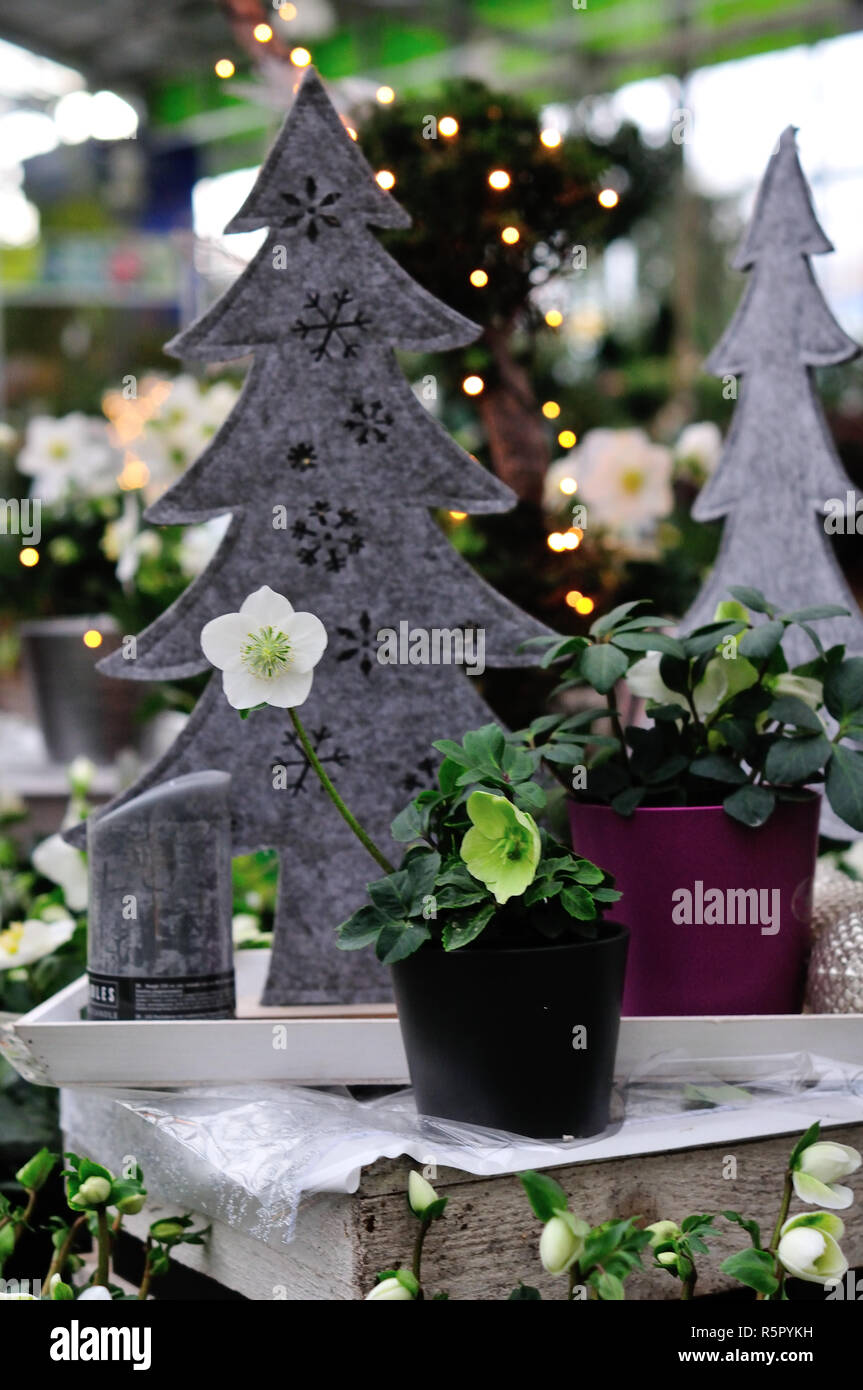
509,410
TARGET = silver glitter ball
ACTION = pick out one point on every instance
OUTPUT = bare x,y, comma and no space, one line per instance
835,980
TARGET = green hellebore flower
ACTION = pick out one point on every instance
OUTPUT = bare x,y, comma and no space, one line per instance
93,1192
661,1232
808,1247
131,1205
817,1169
561,1242
502,847
421,1194
730,611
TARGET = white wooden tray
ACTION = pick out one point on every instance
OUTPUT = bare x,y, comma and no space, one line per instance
351,1044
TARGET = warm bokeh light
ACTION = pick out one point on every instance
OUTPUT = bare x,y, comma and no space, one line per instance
555,541
608,198
225,68
580,602
351,132
478,279
499,179
510,235
134,473
554,318
262,32
572,538
568,486
458,516
287,12
551,138
386,178
472,385
448,126
92,637
385,95
566,439
28,556
300,57
551,410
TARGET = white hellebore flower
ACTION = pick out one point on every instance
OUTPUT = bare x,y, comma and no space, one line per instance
807,689
66,455
561,1242
699,444
808,1247
399,1288
624,479
817,1170
65,865
23,943
421,1194
94,1291
266,652
644,680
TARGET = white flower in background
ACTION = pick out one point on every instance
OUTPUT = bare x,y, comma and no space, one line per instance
697,450
121,539
69,455
817,1171
624,480
806,688
808,1247
200,543
266,652
186,421
245,927
23,943
65,865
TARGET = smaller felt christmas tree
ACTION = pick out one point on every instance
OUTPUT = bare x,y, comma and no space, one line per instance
779,469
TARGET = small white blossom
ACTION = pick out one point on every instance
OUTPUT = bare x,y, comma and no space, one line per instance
65,865
266,652
23,943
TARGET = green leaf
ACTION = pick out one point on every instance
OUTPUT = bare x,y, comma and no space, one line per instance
843,687
585,872
674,674
790,709
707,639
392,895
397,940
422,869
751,1228
529,796
544,724
750,805
578,902
751,598
792,760
753,1268
716,767
567,753
649,642
608,1286
609,620
804,1142
844,785
814,613
546,1196
525,1293
625,803
602,666
761,641
409,824
457,934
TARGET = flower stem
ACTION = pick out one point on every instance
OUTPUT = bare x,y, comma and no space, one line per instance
146,1278
62,1255
780,1222
104,1245
416,1262
364,839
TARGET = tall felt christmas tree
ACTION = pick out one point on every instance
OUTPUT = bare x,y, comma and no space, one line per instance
779,468
330,466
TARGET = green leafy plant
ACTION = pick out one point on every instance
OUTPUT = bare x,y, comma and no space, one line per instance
477,863
731,723
405,1285
598,1259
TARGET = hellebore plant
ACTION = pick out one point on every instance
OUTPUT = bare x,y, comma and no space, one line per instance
404,1285
730,722
478,864
595,1259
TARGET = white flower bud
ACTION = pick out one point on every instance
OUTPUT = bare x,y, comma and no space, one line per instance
559,1246
421,1194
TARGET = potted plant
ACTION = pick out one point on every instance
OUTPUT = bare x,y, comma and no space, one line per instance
705,813
508,981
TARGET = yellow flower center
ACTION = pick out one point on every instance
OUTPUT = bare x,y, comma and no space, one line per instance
10,939
632,481
267,652
59,450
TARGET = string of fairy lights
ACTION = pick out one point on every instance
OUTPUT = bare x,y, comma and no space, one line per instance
134,473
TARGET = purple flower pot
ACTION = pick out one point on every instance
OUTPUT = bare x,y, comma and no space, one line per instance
719,914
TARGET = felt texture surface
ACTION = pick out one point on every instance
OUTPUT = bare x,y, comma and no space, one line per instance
330,466
779,466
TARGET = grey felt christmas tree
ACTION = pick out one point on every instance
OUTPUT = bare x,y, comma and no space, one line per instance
330,467
779,468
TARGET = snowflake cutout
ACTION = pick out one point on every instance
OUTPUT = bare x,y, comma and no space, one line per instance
425,776
333,328
296,758
368,420
302,456
361,644
328,534
308,213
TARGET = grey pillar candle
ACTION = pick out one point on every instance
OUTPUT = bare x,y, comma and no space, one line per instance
160,903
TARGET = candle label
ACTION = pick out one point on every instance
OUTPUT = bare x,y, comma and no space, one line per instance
161,996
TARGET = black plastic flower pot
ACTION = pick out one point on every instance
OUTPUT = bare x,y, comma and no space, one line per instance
518,1039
